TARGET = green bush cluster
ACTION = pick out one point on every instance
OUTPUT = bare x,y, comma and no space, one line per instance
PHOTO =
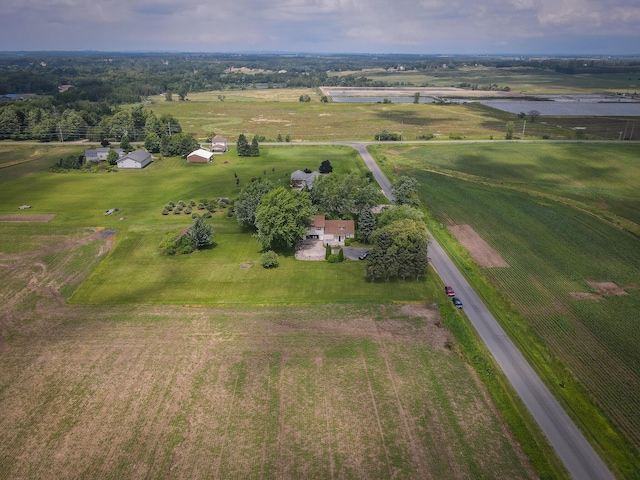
269,259
172,245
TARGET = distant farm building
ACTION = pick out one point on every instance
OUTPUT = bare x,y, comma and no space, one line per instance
219,144
200,156
136,159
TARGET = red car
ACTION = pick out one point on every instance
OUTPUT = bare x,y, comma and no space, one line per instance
449,291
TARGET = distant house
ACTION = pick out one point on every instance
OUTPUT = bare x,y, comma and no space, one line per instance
100,154
199,156
219,144
136,159
330,231
64,88
301,180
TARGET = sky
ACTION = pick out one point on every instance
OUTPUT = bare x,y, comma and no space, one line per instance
525,27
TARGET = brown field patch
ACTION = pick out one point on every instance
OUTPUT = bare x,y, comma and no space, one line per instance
26,217
480,250
607,288
585,296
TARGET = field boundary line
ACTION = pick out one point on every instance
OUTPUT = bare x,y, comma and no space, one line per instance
375,409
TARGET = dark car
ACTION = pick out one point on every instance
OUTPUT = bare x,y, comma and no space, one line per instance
449,291
363,255
457,302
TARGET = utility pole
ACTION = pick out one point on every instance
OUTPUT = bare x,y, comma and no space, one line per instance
624,137
524,125
60,130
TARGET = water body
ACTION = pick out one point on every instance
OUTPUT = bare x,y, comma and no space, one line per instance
352,99
550,105
568,108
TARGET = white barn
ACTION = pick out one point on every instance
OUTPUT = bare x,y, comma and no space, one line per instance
136,159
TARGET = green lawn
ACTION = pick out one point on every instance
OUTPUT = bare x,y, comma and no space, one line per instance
135,271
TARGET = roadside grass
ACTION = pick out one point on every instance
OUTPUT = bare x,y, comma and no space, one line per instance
584,349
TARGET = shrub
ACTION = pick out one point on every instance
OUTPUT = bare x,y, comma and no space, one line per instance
165,212
169,207
181,203
176,211
206,214
192,203
327,252
347,242
172,204
341,256
187,211
201,206
333,258
194,215
269,259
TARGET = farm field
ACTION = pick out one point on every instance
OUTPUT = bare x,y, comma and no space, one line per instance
573,275
346,390
519,79
270,112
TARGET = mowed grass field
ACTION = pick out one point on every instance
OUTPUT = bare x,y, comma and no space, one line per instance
351,390
549,211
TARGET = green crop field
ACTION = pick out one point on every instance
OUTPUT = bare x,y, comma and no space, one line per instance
573,274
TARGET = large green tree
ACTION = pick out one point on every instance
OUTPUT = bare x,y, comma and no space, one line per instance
282,218
366,225
405,190
246,206
242,146
394,213
180,145
400,249
343,196
201,233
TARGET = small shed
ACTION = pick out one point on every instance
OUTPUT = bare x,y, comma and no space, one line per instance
136,159
199,156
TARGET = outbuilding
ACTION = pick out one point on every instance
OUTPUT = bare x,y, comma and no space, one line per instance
199,156
136,159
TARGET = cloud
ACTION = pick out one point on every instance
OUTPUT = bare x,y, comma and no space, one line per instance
412,26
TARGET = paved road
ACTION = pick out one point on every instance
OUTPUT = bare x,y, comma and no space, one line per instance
581,460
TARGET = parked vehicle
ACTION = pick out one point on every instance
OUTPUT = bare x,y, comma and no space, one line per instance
457,302
363,255
449,291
